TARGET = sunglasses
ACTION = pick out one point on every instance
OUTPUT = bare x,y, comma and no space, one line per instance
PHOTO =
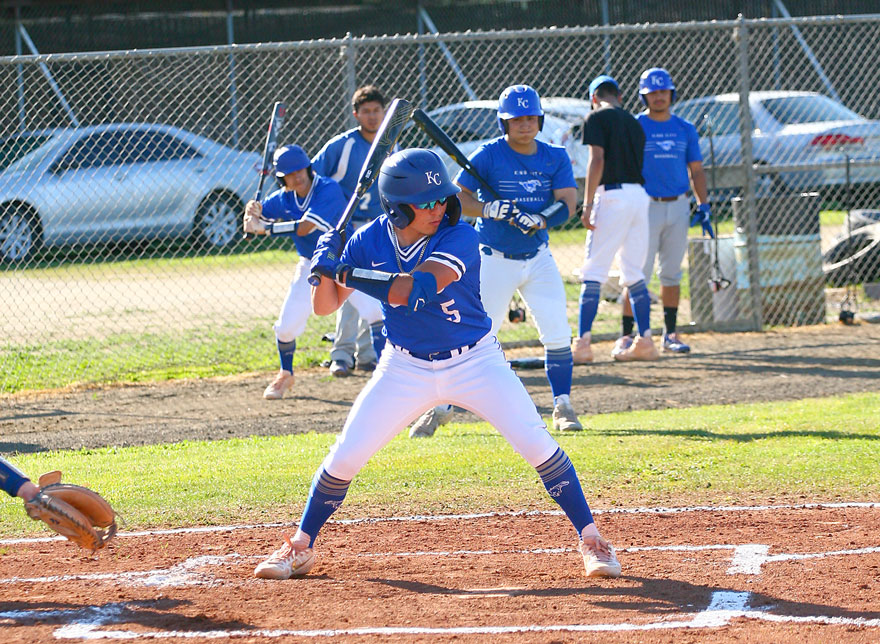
430,204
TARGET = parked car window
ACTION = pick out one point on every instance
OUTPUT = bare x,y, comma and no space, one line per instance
150,145
93,151
807,109
469,125
17,147
724,116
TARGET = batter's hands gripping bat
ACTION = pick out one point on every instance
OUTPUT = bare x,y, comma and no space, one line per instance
278,112
396,117
446,144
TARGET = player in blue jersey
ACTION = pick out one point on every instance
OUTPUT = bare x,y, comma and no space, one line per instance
673,164
342,158
537,188
425,269
306,205
15,483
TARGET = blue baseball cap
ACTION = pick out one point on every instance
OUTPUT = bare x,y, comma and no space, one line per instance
601,80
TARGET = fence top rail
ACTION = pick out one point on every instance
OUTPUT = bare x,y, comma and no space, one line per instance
415,39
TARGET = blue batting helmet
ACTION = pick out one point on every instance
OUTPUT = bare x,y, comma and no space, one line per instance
415,176
519,100
653,80
289,159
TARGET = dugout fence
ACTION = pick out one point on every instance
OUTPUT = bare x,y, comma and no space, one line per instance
123,177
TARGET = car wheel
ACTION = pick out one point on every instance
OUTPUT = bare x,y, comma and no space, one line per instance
19,236
217,221
854,258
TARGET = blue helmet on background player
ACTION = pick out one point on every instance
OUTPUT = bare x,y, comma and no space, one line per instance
290,158
653,80
415,176
519,100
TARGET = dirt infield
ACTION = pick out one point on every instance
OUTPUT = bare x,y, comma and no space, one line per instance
780,573
787,364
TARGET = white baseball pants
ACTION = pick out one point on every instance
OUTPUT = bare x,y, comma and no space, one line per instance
402,387
621,220
540,286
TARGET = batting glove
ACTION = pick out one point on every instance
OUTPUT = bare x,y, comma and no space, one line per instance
703,217
527,222
325,261
500,210
253,218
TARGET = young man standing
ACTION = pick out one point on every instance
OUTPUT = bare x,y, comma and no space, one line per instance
673,164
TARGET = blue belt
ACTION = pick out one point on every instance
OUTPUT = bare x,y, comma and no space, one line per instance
487,250
612,186
436,355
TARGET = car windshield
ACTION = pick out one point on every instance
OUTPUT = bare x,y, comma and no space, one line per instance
14,150
807,109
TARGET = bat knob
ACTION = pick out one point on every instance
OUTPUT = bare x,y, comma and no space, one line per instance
314,279
248,236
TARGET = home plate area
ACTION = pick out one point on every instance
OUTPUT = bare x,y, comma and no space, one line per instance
781,573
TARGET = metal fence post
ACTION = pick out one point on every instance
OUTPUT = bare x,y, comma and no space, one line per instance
749,205
350,54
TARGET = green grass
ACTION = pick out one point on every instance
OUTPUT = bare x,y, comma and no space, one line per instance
810,450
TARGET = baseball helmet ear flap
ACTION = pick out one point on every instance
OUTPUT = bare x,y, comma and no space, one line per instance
453,209
400,214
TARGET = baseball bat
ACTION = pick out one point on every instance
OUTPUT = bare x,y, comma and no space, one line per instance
436,134
278,111
396,117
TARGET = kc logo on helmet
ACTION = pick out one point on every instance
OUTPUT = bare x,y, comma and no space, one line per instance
522,102
433,177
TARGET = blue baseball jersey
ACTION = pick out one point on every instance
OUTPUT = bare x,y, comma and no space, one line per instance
341,159
669,146
457,318
322,207
528,179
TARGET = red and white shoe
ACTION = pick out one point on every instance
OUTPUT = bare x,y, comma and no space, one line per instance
286,562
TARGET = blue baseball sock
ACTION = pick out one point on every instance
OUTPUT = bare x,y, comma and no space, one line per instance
558,364
589,306
376,329
640,302
285,352
562,483
325,498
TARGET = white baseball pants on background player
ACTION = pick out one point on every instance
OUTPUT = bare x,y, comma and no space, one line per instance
621,220
297,306
402,387
540,286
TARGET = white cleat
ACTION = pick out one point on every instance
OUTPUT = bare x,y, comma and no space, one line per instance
642,349
581,352
428,422
564,418
278,387
622,343
286,562
600,560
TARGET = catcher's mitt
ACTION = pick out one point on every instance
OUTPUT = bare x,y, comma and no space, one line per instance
75,512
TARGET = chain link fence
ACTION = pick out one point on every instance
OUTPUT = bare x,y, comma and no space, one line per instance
123,177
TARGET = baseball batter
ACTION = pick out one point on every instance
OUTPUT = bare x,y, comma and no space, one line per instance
615,214
673,164
425,268
341,159
537,188
313,203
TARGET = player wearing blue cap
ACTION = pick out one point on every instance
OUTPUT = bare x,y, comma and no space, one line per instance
537,191
673,164
425,269
311,205
615,214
